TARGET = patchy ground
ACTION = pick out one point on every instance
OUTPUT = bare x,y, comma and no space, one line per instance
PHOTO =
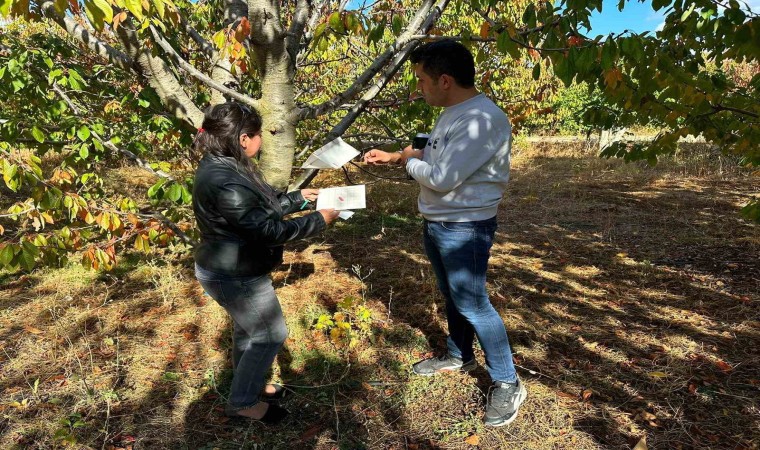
630,295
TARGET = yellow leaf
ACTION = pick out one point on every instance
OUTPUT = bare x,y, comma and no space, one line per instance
612,77
31,329
622,255
473,440
658,374
2,230
642,444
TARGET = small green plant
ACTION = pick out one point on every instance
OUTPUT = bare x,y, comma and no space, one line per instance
66,434
351,323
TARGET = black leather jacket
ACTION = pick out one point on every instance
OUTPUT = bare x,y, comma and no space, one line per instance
242,231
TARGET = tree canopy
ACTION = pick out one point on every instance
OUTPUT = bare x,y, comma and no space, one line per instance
89,86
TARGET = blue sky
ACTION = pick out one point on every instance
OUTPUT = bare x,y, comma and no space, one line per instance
637,17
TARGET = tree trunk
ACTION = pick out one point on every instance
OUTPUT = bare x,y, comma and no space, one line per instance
276,69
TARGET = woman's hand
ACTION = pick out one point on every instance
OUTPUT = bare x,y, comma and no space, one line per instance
310,194
329,215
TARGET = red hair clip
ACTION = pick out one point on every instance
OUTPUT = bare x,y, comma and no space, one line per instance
201,130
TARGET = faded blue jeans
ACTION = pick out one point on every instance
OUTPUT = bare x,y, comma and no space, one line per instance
258,334
459,252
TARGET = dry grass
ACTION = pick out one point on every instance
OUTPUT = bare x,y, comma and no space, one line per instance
630,295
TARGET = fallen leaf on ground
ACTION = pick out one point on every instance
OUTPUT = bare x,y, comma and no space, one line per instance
310,432
658,374
473,440
642,444
31,329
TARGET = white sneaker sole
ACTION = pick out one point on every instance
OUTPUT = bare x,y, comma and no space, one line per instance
464,368
522,395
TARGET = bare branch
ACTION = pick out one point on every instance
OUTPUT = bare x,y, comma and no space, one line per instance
432,13
143,164
420,19
296,31
79,32
206,47
197,74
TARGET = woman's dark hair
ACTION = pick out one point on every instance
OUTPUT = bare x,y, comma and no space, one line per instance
446,57
220,136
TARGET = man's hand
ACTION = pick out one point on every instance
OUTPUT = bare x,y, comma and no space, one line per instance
409,152
310,194
376,156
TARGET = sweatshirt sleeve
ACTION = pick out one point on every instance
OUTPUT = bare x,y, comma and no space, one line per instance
472,142
235,204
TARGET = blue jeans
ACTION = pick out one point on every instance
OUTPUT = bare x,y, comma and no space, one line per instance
258,334
459,252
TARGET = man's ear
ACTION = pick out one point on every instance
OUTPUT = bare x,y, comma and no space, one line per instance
446,81
242,139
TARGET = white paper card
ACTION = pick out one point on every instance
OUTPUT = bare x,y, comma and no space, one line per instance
331,155
345,215
342,198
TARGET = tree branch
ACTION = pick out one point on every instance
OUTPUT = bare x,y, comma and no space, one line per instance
419,21
77,31
206,47
143,164
197,74
432,13
297,27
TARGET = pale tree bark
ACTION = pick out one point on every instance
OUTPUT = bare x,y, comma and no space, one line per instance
234,10
159,75
110,54
138,59
276,70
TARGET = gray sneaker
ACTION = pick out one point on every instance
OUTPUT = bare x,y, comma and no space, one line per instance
445,363
504,400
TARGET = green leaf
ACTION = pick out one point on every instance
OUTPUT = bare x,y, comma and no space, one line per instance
537,71
135,7
505,44
5,7
154,189
609,54
320,30
84,152
336,22
99,12
83,133
752,211
688,12
28,254
174,193
6,255
38,135
397,24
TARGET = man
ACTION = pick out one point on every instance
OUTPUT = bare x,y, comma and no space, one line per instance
462,172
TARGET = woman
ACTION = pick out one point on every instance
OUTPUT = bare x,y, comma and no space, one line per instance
240,218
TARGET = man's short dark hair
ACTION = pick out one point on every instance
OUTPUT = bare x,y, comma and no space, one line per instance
446,57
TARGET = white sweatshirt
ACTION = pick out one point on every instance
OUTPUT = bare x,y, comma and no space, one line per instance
465,167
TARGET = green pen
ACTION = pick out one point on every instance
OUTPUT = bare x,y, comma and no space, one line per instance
305,202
